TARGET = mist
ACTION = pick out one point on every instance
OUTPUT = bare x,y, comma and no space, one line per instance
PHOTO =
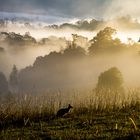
123,8
24,55
52,57
54,72
71,65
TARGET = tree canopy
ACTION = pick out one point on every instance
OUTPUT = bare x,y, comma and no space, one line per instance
111,79
104,42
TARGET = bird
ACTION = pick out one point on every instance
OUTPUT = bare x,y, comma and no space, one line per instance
61,112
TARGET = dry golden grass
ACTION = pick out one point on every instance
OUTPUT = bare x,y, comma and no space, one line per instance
99,112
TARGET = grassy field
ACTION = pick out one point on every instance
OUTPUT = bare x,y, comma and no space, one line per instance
94,116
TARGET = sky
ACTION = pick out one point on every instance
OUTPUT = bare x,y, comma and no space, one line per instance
68,8
100,9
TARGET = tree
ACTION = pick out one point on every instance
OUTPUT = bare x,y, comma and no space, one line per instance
1,49
74,52
13,81
3,84
111,80
104,42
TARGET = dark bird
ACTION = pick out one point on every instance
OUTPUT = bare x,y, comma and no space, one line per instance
63,111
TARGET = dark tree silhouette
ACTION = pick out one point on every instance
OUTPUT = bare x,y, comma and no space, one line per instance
13,81
17,39
53,71
80,25
74,52
1,49
3,84
111,79
104,42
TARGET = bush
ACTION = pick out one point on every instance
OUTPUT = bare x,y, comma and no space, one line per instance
110,80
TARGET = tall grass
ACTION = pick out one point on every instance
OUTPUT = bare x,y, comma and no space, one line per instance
20,109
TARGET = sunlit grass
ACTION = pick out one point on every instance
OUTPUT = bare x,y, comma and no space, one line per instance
95,115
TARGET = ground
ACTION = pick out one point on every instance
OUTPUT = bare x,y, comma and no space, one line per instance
88,125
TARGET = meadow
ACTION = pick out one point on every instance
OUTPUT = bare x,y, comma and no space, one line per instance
79,53
95,115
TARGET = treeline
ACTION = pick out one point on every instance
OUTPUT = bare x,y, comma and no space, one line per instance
91,25
122,22
71,68
12,39
102,42
79,25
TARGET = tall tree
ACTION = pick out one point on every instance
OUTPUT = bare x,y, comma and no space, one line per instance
104,42
13,81
3,84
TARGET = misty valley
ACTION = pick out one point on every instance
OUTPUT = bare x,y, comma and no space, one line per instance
70,81
32,65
